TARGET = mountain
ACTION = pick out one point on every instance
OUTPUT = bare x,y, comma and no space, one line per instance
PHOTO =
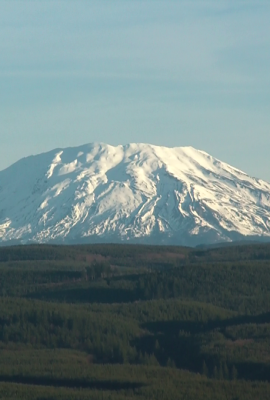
137,193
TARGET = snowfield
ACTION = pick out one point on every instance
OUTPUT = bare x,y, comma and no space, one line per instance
137,193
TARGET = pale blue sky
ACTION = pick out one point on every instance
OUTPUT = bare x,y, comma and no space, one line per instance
171,73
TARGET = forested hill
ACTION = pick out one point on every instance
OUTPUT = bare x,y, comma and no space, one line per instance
134,322
134,252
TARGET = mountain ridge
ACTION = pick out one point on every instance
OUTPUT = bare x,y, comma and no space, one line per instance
136,193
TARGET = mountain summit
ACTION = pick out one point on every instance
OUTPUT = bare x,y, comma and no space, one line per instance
137,192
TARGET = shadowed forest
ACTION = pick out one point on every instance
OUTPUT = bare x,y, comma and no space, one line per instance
134,322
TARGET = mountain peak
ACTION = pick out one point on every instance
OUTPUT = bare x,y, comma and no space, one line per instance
135,192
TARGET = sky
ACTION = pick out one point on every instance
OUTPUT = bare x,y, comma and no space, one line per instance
170,73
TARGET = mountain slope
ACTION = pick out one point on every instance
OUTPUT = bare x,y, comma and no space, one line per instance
136,192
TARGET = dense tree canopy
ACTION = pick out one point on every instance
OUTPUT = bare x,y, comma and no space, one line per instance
115,321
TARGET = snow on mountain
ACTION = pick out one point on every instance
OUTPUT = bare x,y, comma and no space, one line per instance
137,192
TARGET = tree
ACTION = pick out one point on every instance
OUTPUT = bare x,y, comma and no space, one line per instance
205,371
234,373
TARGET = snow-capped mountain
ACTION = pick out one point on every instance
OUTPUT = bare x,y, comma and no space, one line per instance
137,192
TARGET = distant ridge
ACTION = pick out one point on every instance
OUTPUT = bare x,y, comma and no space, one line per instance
136,193
233,244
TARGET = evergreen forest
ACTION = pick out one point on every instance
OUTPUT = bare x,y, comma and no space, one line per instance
112,322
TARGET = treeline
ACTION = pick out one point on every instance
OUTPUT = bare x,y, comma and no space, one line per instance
193,336
240,286
127,254
57,380
37,324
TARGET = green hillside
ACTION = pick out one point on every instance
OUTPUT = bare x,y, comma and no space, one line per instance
134,322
